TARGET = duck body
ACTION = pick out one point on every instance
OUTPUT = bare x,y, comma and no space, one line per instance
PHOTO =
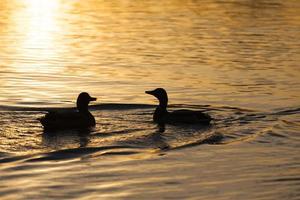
80,118
162,115
67,120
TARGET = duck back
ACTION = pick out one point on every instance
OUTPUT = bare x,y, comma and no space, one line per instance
188,117
66,120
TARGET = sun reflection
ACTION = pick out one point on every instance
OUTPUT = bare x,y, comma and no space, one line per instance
40,28
41,21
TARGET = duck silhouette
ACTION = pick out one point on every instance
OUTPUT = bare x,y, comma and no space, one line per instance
162,115
81,118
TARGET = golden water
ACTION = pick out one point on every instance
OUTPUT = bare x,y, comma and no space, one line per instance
238,57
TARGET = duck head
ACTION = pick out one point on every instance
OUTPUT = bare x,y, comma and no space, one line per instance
161,95
83,101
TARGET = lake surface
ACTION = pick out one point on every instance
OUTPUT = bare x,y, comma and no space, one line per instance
237,60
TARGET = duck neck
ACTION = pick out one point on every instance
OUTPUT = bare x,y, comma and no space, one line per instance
160,111
162,107
163,103
83,109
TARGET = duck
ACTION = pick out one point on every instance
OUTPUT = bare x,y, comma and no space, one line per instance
162,115
81,118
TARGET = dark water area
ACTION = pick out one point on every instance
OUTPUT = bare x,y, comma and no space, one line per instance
238,61
242,154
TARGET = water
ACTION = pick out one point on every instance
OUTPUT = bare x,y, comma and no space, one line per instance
236,60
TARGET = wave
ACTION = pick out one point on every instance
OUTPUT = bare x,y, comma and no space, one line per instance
288,111
131,130
121,106
103,106
68,154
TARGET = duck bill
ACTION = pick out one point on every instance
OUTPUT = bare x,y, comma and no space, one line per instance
151,92
93,99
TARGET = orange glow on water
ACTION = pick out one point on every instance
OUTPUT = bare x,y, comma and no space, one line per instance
40,27
52,49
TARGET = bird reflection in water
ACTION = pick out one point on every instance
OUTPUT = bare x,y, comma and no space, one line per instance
66,139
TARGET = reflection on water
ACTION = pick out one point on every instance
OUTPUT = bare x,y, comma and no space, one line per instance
212,51
244,153
37,45
238,57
